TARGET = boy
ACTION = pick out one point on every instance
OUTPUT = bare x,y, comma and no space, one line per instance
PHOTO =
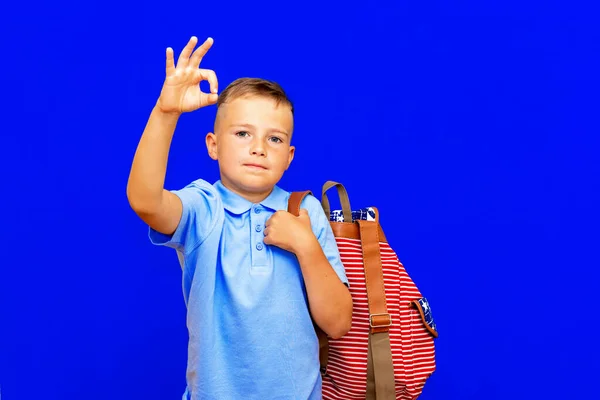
253,274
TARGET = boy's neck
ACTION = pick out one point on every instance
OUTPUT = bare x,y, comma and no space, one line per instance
252,197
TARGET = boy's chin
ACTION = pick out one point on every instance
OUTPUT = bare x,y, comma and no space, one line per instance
254,184
258,187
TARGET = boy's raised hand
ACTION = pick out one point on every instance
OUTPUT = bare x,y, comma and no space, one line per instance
181,90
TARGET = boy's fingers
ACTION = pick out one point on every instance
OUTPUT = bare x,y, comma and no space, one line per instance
211,99
272,218
211,77
201,52
185,53
303,215
170,61
267,239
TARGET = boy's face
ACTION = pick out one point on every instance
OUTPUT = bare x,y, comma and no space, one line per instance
252,145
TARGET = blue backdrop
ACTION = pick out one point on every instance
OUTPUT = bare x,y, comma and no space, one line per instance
473,126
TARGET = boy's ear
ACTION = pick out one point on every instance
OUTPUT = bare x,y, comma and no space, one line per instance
211,145
291,156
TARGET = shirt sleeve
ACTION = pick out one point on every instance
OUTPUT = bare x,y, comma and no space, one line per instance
200,202
322,230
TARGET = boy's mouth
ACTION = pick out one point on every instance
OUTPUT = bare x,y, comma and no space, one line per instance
255,166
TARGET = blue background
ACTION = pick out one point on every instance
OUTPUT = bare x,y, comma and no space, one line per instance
473,126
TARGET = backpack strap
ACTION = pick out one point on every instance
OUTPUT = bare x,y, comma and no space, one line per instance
380,367
343,196
295,200
294,208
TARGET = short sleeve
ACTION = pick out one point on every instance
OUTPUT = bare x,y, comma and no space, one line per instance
324,233
201,203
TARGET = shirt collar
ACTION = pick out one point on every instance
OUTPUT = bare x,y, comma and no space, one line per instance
233,202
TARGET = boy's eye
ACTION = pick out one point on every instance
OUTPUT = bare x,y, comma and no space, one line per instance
276,139
242,134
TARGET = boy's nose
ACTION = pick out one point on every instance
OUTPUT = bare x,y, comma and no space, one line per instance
257,149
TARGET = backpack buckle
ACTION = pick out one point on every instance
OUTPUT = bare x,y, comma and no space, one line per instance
382,325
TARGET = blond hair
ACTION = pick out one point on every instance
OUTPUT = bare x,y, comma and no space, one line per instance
254,87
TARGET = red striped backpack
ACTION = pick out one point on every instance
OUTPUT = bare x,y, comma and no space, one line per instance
389,351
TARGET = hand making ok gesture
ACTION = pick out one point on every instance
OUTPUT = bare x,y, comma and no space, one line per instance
181,90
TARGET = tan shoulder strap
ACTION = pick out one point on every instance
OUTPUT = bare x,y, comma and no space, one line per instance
344,200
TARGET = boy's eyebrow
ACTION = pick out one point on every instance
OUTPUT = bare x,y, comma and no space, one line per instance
250,126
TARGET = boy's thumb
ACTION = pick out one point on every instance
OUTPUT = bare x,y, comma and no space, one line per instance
303,213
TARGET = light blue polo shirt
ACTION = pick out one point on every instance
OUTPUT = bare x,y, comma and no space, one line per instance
250,332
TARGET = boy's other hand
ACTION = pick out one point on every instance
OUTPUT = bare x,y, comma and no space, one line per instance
181,90
289,232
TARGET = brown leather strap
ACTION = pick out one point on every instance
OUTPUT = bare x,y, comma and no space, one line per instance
295,200
380,320
380,367
294,208
344,200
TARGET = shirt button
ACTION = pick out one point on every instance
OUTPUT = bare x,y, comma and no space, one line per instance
257,228
259,246
257,210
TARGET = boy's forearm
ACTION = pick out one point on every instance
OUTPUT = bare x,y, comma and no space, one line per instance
149,167
329,299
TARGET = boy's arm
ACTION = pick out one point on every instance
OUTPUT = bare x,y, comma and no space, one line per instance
329,298
159,208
